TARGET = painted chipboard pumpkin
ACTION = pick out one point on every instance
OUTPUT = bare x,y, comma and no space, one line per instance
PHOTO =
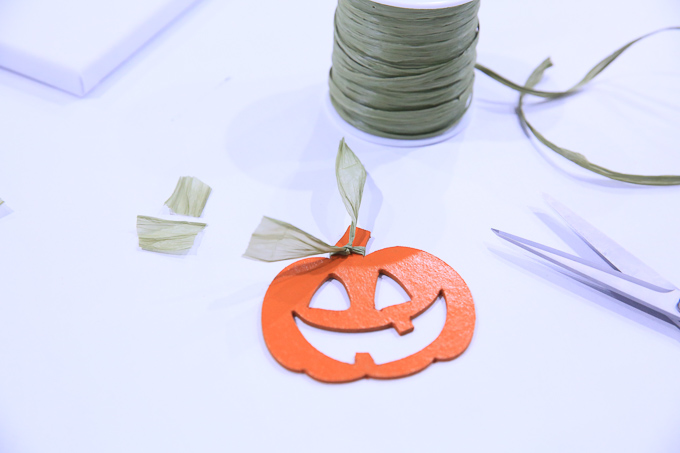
423,276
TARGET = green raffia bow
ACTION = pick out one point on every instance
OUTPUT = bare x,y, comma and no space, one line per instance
577,158
274,240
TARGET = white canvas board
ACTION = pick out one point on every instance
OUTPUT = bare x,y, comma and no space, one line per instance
74,44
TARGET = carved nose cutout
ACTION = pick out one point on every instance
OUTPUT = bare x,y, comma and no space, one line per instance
389,292
383,345
332,295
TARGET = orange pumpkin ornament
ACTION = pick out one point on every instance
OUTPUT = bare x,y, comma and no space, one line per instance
423,276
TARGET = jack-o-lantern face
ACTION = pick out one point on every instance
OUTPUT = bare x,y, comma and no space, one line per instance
423,276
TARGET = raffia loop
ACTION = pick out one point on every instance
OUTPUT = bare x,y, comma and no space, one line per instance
275,240
346,250
578,158
351,176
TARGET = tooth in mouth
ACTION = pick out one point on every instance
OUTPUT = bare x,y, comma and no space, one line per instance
383,345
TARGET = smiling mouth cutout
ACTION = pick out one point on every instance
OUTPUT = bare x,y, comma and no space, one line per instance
384,345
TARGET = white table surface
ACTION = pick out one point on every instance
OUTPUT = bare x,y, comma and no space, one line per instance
107,348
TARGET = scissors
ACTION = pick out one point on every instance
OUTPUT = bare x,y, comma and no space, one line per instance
620,271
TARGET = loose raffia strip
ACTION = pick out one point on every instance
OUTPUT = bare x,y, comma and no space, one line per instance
274,240
1,201
189,197
577,158
167,236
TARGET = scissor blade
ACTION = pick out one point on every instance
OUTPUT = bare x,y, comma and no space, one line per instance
662,301
615,255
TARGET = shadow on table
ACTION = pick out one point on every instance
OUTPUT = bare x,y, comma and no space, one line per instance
5,210
585,290
251,294
289,141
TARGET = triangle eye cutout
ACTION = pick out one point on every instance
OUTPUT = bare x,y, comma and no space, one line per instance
332,295
389,292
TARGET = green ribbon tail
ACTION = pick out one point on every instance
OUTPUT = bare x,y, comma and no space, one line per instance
275,240
577,158
351,176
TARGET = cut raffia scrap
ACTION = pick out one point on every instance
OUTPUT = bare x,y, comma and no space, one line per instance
167,236
275,240
190,196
